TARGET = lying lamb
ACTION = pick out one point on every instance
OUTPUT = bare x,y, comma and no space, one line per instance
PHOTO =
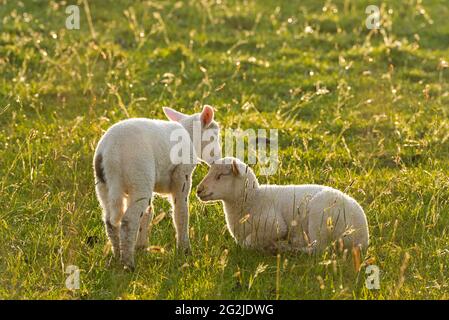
134,158
305,218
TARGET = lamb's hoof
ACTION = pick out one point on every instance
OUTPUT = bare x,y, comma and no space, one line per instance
128,265
185,250
129,268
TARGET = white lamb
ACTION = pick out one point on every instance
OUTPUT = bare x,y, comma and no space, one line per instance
304,218
134,158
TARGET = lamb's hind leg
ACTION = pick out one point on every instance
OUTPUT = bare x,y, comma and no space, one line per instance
142,238
328,218
130,226
112,203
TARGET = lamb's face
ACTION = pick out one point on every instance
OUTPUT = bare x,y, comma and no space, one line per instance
226,180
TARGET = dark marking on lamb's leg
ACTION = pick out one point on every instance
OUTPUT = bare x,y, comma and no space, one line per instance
183,186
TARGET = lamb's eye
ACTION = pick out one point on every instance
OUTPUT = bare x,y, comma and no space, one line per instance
219,176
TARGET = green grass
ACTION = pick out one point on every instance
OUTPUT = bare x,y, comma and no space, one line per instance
380,131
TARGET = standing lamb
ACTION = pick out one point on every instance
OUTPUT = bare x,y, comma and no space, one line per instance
135,158
292,217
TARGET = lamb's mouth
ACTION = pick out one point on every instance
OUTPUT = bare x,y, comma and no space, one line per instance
205,196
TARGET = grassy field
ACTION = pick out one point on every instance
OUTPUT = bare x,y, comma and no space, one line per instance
360,110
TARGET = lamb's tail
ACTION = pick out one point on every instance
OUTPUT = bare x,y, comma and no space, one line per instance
99,169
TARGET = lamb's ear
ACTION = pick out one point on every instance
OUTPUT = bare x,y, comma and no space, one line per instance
235,168
207,115
173,115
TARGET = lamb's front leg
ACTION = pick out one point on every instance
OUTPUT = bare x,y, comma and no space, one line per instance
180,188
267,231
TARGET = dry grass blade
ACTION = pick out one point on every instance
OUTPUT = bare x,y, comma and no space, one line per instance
158,218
